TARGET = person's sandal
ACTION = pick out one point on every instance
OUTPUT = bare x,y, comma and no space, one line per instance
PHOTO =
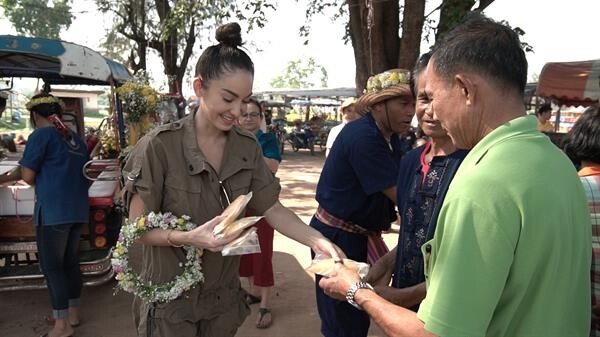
251,299
263,322
50,321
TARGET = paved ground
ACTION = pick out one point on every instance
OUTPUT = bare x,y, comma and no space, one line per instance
294,310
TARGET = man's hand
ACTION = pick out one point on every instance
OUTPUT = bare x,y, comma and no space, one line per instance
337,285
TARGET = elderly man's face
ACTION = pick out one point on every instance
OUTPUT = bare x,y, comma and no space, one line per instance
430,125
450,105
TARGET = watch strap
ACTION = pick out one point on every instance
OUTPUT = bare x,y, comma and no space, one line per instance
352,292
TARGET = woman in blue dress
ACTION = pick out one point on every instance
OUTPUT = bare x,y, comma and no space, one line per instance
52,162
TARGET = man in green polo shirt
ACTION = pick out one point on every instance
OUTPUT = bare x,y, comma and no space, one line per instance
512,249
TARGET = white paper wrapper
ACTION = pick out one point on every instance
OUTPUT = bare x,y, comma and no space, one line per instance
238,226
325,266
247,243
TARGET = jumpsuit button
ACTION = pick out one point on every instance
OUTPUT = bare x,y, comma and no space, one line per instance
244,159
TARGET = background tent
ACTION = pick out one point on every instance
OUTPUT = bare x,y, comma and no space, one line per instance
571,83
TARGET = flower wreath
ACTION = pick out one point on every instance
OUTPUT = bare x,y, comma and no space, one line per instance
44,100
385,80
131,282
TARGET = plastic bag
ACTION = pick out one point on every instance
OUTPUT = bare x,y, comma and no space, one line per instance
247,243
325,266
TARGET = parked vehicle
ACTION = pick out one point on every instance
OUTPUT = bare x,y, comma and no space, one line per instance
278,128
57,62
302,138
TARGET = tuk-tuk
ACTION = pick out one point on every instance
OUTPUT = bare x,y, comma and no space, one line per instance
58,62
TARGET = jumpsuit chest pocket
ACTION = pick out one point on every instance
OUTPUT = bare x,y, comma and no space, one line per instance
239,183
182,193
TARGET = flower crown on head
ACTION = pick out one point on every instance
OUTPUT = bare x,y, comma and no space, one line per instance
44,100
386,80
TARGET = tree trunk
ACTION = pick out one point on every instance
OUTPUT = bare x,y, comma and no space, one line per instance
412,29
377,51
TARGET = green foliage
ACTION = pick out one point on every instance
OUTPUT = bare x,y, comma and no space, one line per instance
171,27
254,12
335,9
36,18
301,73
526,46
115,46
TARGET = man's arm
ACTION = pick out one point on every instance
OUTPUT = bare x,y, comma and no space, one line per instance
404,297
394,320
390,192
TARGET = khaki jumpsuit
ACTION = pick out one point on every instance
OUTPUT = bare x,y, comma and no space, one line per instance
169,172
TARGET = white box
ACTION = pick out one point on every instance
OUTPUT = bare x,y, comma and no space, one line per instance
17,200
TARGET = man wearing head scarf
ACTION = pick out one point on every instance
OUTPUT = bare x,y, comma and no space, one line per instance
356,191
348,115
511,252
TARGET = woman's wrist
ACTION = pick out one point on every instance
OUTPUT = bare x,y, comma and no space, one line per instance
177,238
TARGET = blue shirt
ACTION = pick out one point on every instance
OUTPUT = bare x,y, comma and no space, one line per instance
419,202
269,145
360,166
61,190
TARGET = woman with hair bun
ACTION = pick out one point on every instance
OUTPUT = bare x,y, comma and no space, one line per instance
194,167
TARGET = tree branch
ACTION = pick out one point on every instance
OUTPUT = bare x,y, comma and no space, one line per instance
187,52
483,4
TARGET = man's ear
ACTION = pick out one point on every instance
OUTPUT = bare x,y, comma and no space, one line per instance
198,90
467,87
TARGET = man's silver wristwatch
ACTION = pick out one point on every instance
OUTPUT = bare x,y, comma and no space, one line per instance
352,291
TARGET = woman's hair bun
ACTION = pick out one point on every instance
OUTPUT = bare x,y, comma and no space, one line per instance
230,34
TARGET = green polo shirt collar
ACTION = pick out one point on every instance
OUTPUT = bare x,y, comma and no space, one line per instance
515,127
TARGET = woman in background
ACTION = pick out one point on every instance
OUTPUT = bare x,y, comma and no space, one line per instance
582,145
258,268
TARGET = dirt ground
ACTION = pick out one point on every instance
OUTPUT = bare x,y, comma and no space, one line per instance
294,311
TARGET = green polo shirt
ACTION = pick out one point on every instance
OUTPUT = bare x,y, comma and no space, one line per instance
512,249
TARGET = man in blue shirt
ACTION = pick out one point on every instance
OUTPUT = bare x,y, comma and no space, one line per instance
356,191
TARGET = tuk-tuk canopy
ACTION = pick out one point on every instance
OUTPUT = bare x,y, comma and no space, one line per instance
571,83
57,62
311,93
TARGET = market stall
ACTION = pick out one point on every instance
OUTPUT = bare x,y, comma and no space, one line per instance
570,84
